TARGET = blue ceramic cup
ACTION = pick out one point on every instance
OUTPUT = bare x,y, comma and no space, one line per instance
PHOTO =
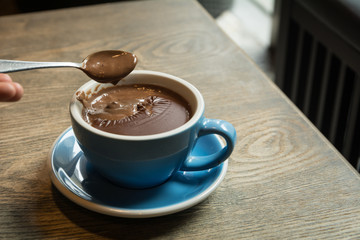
149,160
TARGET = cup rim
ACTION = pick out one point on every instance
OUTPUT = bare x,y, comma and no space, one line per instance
75,105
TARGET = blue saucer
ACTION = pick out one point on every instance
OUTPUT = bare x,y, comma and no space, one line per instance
74,177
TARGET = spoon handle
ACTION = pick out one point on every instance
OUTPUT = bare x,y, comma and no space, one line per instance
14,66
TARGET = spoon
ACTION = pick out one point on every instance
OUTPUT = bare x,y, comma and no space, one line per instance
104,66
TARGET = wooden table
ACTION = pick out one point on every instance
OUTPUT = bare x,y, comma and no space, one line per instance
285,180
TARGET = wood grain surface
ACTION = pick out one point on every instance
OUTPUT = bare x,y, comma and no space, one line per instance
285,181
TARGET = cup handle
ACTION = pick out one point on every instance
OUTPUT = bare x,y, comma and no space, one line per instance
212,126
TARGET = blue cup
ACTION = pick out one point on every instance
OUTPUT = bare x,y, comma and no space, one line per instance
150,160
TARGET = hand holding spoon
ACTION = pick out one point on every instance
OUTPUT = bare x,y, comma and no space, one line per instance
104,66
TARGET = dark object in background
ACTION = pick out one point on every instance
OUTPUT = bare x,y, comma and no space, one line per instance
32,6
317,66
216,7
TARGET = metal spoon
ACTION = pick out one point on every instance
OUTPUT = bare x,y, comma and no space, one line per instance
103,66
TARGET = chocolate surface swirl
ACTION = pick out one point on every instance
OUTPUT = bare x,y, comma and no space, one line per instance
134,109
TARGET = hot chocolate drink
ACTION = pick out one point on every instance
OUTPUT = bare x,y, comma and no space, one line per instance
134,109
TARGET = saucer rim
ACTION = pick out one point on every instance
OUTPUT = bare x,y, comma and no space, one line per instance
132,213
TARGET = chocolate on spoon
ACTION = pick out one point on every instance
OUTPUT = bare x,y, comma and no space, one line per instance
108,66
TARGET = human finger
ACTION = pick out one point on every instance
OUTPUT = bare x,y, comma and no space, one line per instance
10,91
7,91
5,78
19,91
